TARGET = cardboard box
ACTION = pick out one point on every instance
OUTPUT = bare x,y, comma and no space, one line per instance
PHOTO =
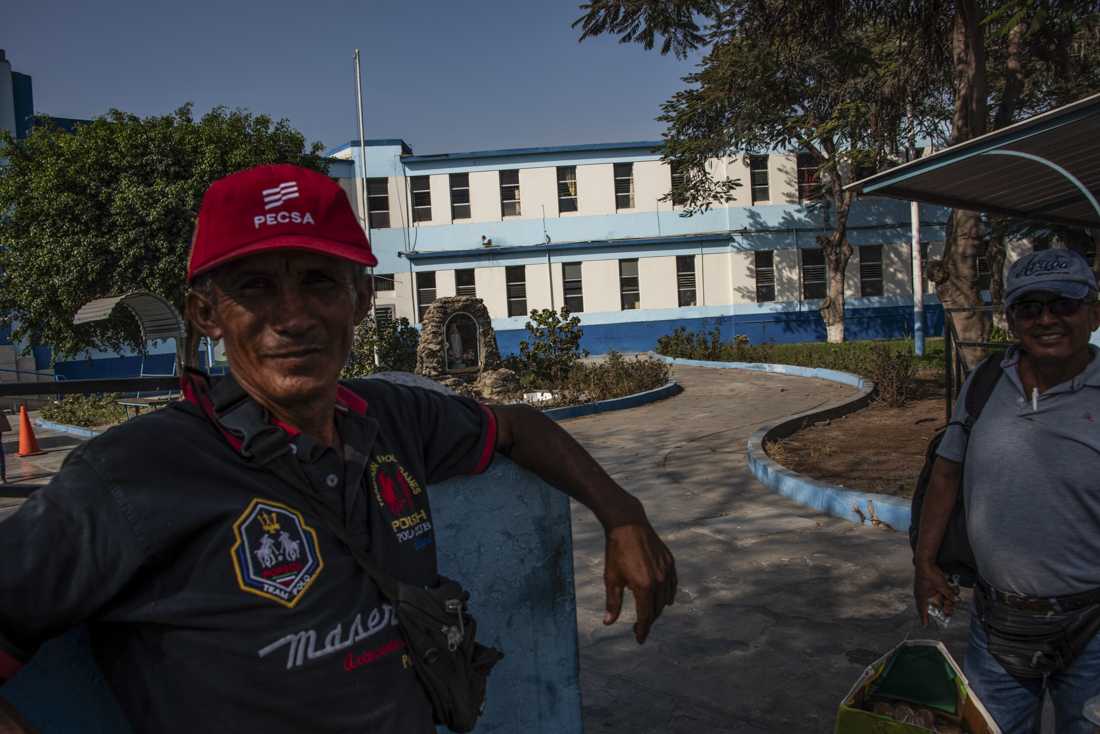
877,685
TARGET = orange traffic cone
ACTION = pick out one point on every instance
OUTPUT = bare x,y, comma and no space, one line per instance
28,446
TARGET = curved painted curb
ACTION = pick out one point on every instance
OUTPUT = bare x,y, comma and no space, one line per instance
860,507
66,428
607,406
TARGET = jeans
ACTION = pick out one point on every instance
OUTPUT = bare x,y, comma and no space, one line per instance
1016,704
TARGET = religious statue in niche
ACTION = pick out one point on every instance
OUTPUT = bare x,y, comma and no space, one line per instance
461,342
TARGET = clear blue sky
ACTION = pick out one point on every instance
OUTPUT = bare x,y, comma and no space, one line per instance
445,76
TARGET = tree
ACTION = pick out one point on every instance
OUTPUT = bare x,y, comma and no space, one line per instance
109,209
763,86
946,60
394,340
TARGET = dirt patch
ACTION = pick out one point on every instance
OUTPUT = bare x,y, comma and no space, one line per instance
876,449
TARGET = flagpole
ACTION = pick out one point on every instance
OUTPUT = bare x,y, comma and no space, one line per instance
363,196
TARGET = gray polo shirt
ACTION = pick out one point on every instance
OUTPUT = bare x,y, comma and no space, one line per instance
1031,482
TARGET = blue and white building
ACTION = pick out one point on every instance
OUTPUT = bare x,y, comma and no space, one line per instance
585,226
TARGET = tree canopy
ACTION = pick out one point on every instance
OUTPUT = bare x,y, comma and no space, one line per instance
110,208
854,80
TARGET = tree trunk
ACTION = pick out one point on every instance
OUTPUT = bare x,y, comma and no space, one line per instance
838,251
956,276
995,256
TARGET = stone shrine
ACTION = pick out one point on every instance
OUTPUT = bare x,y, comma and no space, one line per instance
458,348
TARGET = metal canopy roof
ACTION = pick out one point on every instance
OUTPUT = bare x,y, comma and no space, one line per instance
159,319
1045,168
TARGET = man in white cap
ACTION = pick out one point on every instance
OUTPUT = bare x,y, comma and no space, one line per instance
216,597
1029,470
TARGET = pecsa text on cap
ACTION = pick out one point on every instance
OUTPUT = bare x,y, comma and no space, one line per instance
275,207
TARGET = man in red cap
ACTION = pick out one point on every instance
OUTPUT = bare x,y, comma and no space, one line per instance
216,597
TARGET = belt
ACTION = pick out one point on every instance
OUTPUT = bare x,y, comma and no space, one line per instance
1068,603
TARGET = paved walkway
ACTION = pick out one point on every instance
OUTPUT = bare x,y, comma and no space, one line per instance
32,469
780,607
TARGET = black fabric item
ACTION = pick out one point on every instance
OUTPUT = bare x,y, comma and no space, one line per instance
955,557
1035,644
451,665
148,532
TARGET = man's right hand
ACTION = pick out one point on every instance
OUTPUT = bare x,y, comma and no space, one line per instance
929,584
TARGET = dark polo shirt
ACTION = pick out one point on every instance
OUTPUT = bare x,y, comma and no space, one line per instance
216,600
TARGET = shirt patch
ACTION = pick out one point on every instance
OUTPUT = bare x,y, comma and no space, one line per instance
396,490
276,554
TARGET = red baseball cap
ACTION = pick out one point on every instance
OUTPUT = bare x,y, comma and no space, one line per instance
275,207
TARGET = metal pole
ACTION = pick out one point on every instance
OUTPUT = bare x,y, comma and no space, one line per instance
363,201
918,277
918,281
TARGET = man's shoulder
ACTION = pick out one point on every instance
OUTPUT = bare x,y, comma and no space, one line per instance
175,428
396,389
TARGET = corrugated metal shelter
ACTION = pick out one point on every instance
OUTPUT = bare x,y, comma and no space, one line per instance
159,319
1045,168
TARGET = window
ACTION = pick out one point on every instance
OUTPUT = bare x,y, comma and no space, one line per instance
383,282
678,179
814,284
571,282
460,196
516,278
421,199
464,282
983,266
567,189
624,185
425,292
870,270
765,275
509,193
384,315
809,182
685,279
378,203
628,284
758,178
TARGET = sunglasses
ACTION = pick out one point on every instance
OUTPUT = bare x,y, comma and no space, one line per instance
1030,310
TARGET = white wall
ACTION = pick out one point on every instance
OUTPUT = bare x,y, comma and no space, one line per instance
600,284
440,187
538,188
783,178
657,282
897,270
538,287
596,189
445,286
715,280
851,275
652,180
492,289
788,284
743,272
485,197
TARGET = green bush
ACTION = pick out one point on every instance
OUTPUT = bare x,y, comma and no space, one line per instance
86,411
617,377
396,341
548,359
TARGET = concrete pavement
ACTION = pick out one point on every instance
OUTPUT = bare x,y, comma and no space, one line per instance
780,607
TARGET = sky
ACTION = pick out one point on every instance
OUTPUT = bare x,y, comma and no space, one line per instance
444,76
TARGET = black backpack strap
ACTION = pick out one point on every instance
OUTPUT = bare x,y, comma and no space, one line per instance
986,376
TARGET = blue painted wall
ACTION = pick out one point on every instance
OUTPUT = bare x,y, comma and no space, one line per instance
786,327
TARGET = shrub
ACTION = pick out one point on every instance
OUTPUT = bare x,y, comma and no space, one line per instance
548,359
86,411
893,373
618,377
396,341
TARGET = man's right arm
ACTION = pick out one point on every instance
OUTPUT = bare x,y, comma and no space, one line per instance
939,502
